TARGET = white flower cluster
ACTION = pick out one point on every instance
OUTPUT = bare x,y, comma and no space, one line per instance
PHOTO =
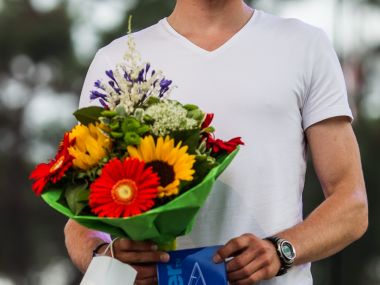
133,82
169,116
132,56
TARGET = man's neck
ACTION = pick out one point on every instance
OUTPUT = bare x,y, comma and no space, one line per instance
193,18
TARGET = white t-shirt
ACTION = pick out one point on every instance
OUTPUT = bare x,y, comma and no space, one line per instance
268,83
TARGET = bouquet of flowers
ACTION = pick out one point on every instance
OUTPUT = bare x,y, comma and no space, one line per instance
140,165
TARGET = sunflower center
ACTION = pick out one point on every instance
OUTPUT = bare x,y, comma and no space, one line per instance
57,165
164,171
124,191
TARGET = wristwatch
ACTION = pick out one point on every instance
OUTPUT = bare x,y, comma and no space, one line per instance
285,251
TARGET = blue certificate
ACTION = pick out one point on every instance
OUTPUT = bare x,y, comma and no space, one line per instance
192,267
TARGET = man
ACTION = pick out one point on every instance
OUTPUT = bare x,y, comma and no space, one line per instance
277,83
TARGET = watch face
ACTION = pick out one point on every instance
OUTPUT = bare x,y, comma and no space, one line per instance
288,250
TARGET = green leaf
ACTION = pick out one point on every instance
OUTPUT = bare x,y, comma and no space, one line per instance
148,119
117,135
151,101
114,125
77,197
209,129
81,175
203,166
88,115
108,113
143,130
196,114
190,138
190,107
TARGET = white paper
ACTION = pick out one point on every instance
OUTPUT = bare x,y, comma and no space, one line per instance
105,270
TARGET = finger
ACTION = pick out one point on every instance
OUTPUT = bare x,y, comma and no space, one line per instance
231,247
255,277
148,281
136,257
145,271
258,264
129,245
242,260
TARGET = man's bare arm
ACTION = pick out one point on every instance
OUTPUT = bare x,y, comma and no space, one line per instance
143,256
80,242
341,219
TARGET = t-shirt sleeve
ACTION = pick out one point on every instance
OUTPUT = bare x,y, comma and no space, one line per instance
327,94
95,72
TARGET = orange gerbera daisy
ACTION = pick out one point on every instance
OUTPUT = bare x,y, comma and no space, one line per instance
55,169
125,188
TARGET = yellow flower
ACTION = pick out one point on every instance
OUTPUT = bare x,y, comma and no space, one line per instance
90,146
171,163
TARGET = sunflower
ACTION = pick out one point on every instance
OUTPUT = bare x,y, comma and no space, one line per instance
91,145
171,163
125,188
55,169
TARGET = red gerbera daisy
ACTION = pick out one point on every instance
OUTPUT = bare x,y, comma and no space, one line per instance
55,169
125,188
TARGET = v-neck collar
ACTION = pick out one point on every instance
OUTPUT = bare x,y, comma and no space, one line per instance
189,44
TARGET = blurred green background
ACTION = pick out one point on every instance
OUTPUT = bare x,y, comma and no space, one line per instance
45,49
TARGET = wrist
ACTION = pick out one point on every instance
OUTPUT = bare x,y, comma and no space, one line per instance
100,249
285,252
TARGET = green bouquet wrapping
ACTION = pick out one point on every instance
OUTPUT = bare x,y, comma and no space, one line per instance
139,165
161,225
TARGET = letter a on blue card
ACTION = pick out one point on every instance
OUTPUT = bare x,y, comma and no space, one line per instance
196,277
192,267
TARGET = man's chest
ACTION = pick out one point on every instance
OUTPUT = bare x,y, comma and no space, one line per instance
254,92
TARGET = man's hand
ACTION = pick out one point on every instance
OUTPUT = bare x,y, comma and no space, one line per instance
142,256
253,260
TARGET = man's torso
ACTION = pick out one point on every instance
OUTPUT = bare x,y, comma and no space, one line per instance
255,84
